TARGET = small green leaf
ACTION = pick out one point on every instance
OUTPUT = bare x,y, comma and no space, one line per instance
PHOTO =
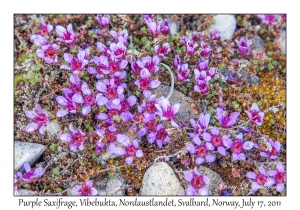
262,30
53,147
93,155
58,190
272,121
102,109
27,186
211,112
270,66
25,57
222,66
262,190
111,175
258,103
36,67
274,63
55,171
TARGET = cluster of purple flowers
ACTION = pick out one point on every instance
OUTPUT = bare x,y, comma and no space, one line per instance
267,179
204,150
197,183
243,46
109,92
203,75
157,27
114,106
182,69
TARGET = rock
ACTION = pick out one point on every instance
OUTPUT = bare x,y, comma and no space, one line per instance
174,27
27,152
24,192
160,179
253,80
186,112
226,24
109,186
215,180
53,129
259,43
71,192
281,41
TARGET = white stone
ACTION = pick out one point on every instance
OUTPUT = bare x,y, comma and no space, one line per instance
24,192
174,28
53,129
226,24
109,186
160,179
26,152
281,41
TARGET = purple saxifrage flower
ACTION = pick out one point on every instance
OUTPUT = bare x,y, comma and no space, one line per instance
154,27
205,49
202,64
75,137
103,20
215,34
268,19
121,37
30,174
66,35
273,151
166,111
39,40
86,189
100,147
151,64
89,99
238,146
177,61
75,64
16,185
137,66
221,143
130,150
255,116
45,29
164,27
67,102
200,126
102,66
201,151
243,46
145,82
197,182
48,53
160,136
183,73
110,89
40,118
261,179
225,120
190,46
162,51
279,176
117,51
